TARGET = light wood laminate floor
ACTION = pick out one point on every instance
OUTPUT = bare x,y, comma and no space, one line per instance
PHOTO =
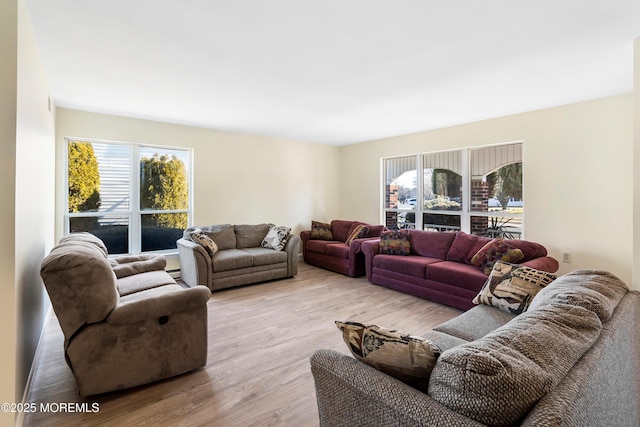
257,373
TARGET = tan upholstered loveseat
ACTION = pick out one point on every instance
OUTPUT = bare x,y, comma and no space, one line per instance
239,257
125,320
570,360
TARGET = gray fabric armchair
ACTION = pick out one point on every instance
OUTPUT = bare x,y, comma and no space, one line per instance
125,322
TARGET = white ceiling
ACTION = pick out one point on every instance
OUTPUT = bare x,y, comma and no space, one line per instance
332,71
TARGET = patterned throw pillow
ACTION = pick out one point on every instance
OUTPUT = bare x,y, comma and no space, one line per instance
394,243
205,241
405,357
511,287
276,238
496,249
359,231
321,231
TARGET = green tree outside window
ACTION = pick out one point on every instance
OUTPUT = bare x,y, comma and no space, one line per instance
163,186
84,178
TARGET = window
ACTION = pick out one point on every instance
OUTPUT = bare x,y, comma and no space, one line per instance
136,198
477,190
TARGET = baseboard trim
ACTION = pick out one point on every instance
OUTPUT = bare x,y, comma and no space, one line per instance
175,274
34,365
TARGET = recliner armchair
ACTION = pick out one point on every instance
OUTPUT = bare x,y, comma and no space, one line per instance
126,322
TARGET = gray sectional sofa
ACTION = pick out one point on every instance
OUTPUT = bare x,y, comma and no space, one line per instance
570,360
239,259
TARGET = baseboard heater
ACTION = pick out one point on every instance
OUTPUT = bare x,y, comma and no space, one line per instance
175,273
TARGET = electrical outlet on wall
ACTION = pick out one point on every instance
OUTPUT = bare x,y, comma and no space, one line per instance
566,257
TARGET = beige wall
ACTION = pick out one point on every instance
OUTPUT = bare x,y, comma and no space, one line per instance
238,178
578,173
26,198
578,176
636,163
35,193
8,98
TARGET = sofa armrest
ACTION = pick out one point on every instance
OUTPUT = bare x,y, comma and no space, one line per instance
195,263
292,248
545,263
158,303
356,245
369,248
350,392
305,236
128,265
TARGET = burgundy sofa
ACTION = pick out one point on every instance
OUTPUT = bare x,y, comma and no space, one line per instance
439,266
336,255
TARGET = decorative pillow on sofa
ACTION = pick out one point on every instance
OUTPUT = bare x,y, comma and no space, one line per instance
394,243
465,246
405,357
321,231
197,236
223,234
276,238
495,250
511,287
358,231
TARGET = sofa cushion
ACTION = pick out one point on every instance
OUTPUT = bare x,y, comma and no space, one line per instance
375,230
496,380
432,244
276,238
413,265
596,290
223,234
405,357
496,249
86,237
337,249
357,231
394,243
475,323
442,340
456,274
199,237
142,281
266,256
129,265
511,287
319,246
465,246
80,282
341,228
320,231
231,259
250,236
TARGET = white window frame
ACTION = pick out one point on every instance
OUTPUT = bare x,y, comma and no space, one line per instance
134,213
466,212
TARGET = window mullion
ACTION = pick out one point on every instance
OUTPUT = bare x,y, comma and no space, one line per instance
465,214
135,231
419,206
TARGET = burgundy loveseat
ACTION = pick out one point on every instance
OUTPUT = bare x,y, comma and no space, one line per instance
439,268
335,254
